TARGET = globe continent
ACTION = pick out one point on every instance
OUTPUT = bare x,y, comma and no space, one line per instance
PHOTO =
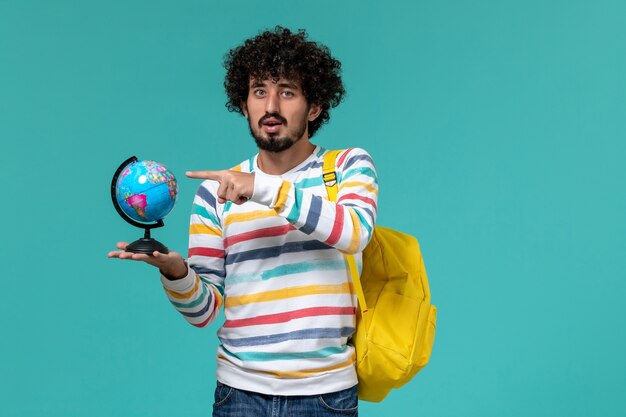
146,191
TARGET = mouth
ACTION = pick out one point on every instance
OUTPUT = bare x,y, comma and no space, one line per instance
271,124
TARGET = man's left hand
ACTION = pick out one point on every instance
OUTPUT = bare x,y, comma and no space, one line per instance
234,186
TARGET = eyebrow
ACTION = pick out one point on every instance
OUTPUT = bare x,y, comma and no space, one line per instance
289,85
256,84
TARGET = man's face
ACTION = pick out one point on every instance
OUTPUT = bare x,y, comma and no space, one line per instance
277,113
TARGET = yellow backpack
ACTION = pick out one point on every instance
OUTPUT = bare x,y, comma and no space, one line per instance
395,322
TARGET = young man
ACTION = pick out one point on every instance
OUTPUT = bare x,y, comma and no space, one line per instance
267,244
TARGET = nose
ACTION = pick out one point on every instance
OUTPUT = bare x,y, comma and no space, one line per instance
272,104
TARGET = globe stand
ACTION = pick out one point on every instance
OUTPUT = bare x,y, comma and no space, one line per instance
146,244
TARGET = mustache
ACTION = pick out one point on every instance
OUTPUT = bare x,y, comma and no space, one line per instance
272,116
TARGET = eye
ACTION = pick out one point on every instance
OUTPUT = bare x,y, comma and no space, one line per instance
259,93
288,94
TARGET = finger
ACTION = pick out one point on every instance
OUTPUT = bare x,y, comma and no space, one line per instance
239,195
121,245
163,261
235,195
229,195
140,257
207,175
144,257
116,254
125,255
222,192
162,255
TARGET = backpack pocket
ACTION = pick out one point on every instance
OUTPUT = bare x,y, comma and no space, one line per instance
394,322
403,330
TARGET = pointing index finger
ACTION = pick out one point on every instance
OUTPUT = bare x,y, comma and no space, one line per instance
205,175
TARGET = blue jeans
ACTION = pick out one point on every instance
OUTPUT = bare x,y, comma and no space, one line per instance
233,402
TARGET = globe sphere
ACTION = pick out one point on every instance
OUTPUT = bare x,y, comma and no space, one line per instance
146,191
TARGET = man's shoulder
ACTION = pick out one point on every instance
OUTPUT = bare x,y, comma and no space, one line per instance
349,157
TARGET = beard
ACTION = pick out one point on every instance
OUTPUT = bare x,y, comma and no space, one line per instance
274,143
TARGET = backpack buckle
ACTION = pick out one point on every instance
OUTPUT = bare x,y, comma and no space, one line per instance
330,178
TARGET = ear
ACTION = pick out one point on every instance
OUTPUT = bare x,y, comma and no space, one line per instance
244,109
314,111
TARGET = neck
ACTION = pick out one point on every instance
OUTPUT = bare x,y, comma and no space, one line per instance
277,163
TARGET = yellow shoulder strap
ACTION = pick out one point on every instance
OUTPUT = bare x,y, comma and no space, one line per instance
330,174
330,181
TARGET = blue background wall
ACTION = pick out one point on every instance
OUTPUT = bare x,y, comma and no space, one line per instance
498,131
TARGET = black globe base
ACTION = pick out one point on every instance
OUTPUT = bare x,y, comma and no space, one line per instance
147,246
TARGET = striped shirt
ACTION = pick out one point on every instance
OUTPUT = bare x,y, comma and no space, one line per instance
276,264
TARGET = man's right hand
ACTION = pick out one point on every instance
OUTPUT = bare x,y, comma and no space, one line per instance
172,265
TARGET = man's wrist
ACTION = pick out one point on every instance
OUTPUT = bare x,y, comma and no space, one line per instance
176,275
266,189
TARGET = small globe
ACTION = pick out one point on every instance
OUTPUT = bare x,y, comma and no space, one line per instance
146,191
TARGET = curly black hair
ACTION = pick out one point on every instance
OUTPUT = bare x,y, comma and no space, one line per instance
281,53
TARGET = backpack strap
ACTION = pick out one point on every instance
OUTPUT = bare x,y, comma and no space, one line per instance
330,181
330,174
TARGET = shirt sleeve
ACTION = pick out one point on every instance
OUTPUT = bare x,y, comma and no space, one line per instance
346,224
198,296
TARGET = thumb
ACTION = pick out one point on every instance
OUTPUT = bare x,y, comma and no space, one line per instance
158,259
